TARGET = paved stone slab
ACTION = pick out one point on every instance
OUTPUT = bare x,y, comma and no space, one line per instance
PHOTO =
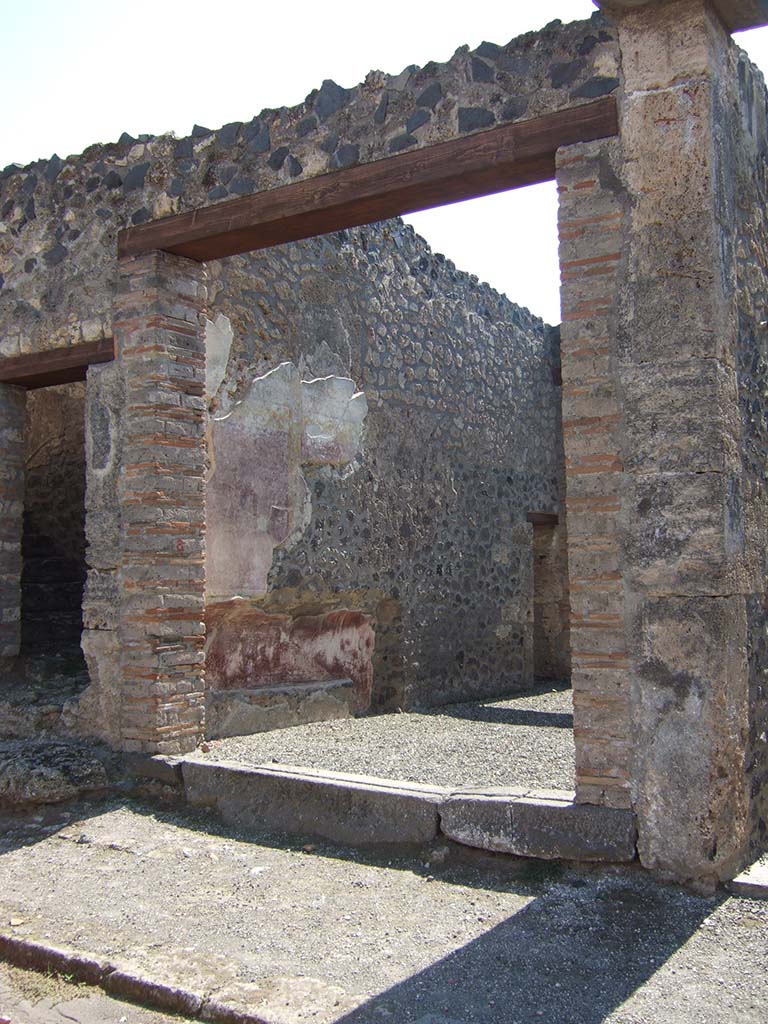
545,824
354,809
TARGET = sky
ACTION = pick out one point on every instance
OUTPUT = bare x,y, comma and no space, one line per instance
75,72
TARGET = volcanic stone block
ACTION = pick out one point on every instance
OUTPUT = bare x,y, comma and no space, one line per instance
353,809
104,400
665,429
546,824
685,533
244,712
690,723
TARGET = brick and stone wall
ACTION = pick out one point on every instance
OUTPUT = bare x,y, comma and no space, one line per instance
159,333
421,530
59,218
403,347
592,235
407,562
425,530
675,455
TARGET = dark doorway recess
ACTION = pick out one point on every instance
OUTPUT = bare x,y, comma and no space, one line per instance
53,540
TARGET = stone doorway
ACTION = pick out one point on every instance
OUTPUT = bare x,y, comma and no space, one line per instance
53,531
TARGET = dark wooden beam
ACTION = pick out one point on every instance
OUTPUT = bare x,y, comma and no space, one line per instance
543,518
57,366
476,165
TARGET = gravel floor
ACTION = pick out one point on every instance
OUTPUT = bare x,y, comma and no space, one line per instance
525,740
310,933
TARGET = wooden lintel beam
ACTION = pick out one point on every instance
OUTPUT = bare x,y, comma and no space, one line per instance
57,366
543,518
476,165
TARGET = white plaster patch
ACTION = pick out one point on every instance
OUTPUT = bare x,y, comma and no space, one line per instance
218,345
333,413
257,496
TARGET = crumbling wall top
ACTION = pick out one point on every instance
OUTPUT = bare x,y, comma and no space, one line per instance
736,14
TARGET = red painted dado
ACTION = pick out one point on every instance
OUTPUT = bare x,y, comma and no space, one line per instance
248,648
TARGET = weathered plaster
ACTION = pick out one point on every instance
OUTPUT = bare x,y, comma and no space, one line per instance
257,496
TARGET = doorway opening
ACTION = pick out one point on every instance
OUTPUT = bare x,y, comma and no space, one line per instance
422,537
53,535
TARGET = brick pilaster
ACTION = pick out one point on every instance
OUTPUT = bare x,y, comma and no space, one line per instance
591,223
161,347
12,411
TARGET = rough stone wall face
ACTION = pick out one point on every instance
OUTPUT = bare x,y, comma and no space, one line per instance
12,406
551,615
425,530
748,164
684,552
159,332
591,226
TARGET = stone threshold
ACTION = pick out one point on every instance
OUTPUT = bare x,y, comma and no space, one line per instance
753,881
123,981
361,810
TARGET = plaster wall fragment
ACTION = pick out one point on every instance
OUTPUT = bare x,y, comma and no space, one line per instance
257,497
218,345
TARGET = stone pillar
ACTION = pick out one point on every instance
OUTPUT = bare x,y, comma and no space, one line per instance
159,333
669,473
12,412
591,225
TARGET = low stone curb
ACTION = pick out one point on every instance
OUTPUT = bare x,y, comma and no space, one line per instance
360,810
357,810
119,982
544,823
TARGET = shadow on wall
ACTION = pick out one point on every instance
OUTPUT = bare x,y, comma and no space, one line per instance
566,958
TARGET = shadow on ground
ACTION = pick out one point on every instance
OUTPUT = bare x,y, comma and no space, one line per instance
451,862
585,943
566,958
489,711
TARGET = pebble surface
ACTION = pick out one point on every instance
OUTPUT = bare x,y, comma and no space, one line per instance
523,740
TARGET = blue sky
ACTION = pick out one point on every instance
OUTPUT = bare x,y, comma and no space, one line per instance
77,72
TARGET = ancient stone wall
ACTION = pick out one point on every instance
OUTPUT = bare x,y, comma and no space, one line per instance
661,324
454,561
426,530
405,560
748,165
59,218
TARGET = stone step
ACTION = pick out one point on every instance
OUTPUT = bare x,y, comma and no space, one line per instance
544,823
259,709
352,809
360,810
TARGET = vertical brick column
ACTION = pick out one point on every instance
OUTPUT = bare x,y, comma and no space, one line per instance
591,221
12,412
161,577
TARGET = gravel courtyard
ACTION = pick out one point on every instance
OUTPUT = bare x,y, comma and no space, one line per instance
520,741
310,933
